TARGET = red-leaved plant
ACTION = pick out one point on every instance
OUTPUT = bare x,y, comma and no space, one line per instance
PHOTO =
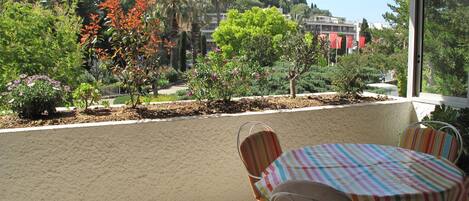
135,44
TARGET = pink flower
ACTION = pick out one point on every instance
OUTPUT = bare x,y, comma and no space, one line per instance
189,93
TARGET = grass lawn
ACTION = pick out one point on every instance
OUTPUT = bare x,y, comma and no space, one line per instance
159,98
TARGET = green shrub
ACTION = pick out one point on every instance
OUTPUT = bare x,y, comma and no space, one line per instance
35,40
147,99
215,77
106,104
4,101
314,81
163,82
171,75
34,96
184,94
260,49
349,77
86,95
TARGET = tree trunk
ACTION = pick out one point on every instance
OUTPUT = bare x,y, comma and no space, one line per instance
217,7
174,57
154,87
182,51
194,36
293,88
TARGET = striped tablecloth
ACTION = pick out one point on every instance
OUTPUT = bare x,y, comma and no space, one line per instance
369,173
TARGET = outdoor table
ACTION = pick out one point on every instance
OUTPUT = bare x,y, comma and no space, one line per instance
369,172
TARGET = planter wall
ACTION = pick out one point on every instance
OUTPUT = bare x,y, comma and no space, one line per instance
179,159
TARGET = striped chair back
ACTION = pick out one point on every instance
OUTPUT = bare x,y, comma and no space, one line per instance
257,152
430,141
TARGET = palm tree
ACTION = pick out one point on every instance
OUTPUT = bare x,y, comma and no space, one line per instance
174,13
198,10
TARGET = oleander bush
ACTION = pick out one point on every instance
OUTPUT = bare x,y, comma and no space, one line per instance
217,78
35,96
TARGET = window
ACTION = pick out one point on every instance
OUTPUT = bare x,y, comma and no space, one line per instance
445,65
439,52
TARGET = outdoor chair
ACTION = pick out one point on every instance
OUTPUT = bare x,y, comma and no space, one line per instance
307,191
445,142
257,152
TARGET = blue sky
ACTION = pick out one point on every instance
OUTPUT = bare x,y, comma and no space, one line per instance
355,10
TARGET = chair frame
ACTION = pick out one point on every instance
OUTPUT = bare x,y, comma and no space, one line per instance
447,126
254,124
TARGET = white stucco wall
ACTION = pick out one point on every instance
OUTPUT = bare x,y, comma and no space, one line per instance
176,160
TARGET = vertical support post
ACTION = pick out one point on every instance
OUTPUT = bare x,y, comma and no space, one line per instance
414,65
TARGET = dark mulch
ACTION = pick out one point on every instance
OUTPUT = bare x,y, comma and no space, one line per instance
180,109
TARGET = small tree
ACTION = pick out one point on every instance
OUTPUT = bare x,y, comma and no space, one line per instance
86,95
182,51
135,45
239,27
303,51
365,30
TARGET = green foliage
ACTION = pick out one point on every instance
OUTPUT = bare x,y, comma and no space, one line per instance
184,94
35,40
316,11
86,95
135,46
349,77
147,99
398,18
243,5
170,75
303,51
260,49
163,82
446,50
300,11
239,28
277,83
4,102
443,113
387,54
106,104
31,96
215,77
